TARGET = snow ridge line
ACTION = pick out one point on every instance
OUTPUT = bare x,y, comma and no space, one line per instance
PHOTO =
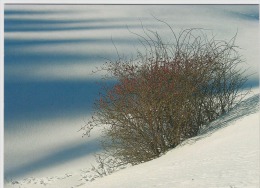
242,109
245,108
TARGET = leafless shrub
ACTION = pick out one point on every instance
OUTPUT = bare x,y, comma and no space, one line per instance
167,93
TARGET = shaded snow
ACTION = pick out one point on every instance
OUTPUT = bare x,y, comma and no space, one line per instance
49,53
228,157
77,36
225,154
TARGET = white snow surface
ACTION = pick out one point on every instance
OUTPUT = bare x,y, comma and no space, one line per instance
225,154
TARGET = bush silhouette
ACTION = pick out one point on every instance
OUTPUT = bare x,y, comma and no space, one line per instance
167,93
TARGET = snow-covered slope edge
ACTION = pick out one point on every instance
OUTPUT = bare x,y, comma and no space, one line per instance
226,154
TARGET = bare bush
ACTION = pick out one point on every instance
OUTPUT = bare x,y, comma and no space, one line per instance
167,93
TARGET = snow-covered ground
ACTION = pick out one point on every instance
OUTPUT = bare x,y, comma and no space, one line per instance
50,52
225,154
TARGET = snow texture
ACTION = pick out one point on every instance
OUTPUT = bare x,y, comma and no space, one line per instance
225,154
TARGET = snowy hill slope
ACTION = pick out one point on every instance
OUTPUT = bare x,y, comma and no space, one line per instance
225,154
228,157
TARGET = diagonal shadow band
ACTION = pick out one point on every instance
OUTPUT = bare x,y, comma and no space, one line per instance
245,108
53,160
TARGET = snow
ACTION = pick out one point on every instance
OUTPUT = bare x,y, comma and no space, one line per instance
228,157
49,152
225,154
